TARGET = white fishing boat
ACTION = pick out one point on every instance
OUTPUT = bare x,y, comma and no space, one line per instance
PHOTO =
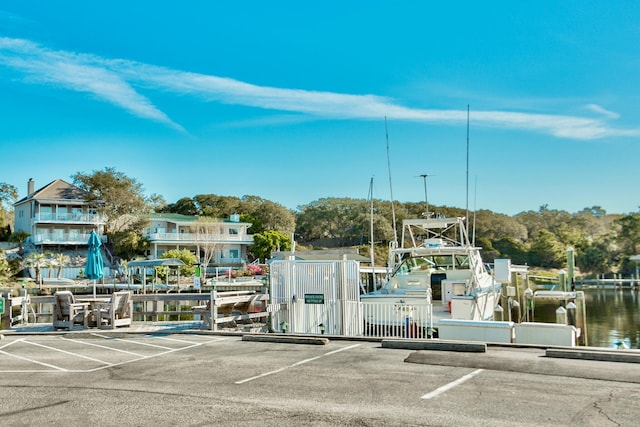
437,273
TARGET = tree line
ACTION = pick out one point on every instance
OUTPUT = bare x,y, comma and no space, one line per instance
603,242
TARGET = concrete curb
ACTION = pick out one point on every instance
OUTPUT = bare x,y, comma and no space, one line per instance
466,347
605,356
285,339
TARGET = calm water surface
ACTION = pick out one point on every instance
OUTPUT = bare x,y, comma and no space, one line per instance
613,316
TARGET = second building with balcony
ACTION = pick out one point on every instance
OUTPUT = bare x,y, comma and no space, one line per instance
222,242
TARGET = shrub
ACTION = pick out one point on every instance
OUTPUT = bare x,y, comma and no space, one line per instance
254,270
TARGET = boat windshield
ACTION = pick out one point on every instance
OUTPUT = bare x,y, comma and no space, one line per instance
415,264
433,262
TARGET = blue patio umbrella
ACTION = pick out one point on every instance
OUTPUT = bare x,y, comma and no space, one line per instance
94,268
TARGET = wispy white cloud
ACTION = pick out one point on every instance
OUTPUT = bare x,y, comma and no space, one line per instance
601,110
114,80
78,72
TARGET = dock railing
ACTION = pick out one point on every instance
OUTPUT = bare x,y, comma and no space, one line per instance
220,308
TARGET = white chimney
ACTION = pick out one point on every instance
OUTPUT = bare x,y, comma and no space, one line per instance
30,187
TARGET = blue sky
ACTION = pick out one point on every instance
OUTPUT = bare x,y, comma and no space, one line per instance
287,100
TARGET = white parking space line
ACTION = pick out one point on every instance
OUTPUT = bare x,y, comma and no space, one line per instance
67,352
103,365
295,364
174,350
11,343
166,338
133,342
57,368
451,385
84,342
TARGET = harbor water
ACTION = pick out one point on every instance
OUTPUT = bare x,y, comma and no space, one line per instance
612,317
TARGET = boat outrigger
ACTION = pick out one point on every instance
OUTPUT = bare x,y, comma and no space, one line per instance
436,273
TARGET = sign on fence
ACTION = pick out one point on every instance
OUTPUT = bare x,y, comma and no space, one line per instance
314,298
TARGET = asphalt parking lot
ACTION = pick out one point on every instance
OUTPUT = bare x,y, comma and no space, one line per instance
204,379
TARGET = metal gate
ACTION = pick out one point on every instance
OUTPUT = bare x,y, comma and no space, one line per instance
315,297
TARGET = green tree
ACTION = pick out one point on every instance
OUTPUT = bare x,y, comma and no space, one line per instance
5,268
594,259
340,221
59,260
546,251
184,206
19,237
269,241
8,195
189,258
512,249
5,232
498,226
155,203
262,214
489,253
215,206
629,234
128,244
593,222
268,215
37,260
118,197
544,219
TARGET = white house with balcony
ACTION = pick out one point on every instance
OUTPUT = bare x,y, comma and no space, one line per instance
226,239
56,215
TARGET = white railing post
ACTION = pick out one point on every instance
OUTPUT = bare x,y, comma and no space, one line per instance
214,310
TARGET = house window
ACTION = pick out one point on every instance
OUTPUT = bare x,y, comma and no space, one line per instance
45,212
233,253
233,231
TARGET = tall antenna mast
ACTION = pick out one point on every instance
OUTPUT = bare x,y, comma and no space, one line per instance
475,210
371,225
426,199
467,225
393,209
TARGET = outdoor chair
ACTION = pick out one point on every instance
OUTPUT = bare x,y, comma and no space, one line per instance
67,312
117,312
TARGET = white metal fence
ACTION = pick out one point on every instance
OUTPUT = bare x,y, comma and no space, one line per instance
400,320
323,297
353,318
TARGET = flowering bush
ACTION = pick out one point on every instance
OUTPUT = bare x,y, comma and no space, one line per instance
254,270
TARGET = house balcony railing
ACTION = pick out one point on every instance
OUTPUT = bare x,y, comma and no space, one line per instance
62,238
194,238
69,218
229,260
